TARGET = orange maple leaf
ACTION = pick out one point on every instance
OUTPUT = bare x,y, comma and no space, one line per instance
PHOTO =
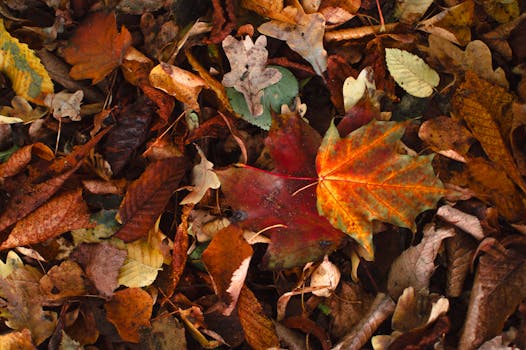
363,178
97,47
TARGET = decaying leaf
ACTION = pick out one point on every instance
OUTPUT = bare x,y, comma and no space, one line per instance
414,267
326,275
227,258
17,340
203,178
249,74
181,84
304,35
350,195
28,76
409,11
411,72
65,105
97,48
63,281
460,250
129,311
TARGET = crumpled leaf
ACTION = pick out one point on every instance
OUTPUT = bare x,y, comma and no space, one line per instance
65,105
249,74
501,11
325,275
166,333
414,267
476,57
180,83
62,213
203,178
304,35
129,311
362,178
498,288
411,72
97,48
227,258
29,78
452,23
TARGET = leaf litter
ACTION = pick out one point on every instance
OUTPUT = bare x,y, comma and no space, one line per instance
261,174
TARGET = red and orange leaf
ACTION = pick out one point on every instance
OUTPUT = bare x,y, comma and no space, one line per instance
97,47
362,178
147,196
63,213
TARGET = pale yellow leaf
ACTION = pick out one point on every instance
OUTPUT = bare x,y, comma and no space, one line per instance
12,262
203,178
411,72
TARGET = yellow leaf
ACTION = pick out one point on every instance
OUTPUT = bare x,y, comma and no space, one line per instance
12,262
27,74
411,72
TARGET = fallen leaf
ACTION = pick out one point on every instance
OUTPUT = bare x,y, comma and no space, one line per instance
21,158
414,267
63,281
453,23
102,262
97,48
21,112
147,196
23,304
326,275
227,258
468,223
203,178
166,333
502,12
304,35
356,89
411,72
62,213
17,340
350,195
259,330
179,83
28,76
410,11
476,57
129,311
485,108
460,250
65,105
12,262
249,74
223,20
497,290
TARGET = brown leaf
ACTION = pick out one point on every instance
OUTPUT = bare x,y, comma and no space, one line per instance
97,47
21,158
130,310
34,192
224,20
17,340
22,294
147,196
101,262
179,254
485,108
259,330
62,213
227,258
308,326
381,308
63,281
498,288
179,83
414,267
460,250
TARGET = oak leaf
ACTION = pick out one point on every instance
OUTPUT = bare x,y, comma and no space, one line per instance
97,47
304,35
249,74
362,178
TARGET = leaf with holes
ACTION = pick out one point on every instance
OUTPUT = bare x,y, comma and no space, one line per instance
363,178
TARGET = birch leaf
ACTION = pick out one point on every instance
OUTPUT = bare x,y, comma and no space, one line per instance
411,72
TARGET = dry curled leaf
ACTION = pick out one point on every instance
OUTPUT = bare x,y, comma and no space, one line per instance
203,178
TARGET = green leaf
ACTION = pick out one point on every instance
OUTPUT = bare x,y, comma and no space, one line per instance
276,95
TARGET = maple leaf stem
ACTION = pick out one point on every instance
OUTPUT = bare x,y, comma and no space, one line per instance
283,176
382,22
304,188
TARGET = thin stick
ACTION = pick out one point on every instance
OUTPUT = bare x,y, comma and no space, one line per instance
358,33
